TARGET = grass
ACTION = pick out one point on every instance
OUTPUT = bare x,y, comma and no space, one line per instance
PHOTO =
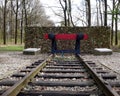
11,48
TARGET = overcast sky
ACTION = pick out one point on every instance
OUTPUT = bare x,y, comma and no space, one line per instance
53,5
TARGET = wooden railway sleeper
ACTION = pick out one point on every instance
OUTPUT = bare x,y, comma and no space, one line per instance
56,93
103,85
107,89
61,83
14,90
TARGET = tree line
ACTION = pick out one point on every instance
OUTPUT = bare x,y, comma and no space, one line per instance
103,11
15,15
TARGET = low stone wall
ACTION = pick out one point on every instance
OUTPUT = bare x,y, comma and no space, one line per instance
98,37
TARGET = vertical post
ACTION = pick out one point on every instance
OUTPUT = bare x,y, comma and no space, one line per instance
62,54
53,45
77,44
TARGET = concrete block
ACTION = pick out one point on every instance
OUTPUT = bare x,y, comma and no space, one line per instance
31,51
102,51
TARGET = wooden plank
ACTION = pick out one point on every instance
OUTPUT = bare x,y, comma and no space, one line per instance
56,93
8,82
63,83
60,76
64,67
63,71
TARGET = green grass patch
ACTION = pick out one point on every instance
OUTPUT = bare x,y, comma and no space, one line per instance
12,48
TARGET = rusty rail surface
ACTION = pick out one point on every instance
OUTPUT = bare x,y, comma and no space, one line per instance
14,90
104,86
75,67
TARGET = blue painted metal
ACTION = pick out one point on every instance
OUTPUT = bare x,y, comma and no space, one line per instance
54,44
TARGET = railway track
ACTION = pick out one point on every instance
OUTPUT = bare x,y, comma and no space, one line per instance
58,76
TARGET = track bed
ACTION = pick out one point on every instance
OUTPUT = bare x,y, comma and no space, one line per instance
62,76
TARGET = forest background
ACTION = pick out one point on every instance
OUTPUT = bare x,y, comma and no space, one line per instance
15,15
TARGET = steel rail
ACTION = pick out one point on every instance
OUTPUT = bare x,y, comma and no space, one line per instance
15,89
104,86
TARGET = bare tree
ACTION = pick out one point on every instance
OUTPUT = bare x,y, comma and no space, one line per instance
4,23
105,13
112,25
36,14
82,15
16,22
15,7
97,13
17,14
1,20
21,25
70,20
64,7
88,12
25,12
100,11
116,22
11,19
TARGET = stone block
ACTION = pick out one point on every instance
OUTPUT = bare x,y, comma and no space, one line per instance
102,51
31,51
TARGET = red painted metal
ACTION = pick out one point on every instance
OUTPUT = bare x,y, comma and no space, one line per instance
66,36
85,37
46,36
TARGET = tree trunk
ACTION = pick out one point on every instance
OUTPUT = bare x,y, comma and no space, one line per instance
65,13
21,30
97,13
116,28
70,14
112,25
105,13
101,16
11,23
116,22
4,23
16,22
88,12
64,8
25,13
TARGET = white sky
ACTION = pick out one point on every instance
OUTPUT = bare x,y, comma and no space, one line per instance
49,8
48,5
53,5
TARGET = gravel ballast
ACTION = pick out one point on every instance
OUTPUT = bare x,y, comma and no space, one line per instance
11,62
111,61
